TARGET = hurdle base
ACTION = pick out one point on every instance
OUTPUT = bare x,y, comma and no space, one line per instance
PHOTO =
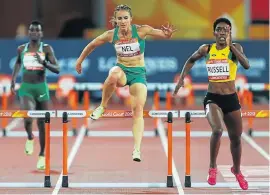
74,131
4,132
47,181
156,133
169,181
65,181
187,181
86,132
250,132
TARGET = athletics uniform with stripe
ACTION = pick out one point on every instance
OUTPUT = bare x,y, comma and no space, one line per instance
30,65
129,48
221,66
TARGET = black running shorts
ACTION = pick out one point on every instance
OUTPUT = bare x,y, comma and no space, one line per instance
227,103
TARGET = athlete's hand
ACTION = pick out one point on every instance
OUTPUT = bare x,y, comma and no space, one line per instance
229,38
180,84
168,30
12,88
79,67
37,56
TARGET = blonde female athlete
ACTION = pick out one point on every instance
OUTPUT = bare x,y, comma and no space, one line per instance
221,103
129,42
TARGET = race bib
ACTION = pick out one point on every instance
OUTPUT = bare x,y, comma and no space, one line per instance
31,63
127,48
218,69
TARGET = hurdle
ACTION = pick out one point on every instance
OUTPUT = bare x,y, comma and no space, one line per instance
169,114
188,114
47,115
66,114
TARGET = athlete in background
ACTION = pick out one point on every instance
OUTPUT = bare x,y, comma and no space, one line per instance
34,57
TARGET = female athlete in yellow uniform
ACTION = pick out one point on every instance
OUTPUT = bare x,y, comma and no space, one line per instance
221,102
129,42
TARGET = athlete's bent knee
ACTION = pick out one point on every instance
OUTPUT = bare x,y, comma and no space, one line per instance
112,79
235,140
138,111
217,133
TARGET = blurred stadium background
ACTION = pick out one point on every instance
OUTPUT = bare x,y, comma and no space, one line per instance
69,25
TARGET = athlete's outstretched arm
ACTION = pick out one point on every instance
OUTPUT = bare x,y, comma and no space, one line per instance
202,51
50,61
101,39
165,31
237,49
16,70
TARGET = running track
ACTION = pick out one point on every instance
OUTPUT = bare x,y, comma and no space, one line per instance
99,159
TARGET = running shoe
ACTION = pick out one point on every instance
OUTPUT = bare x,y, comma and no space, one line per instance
212,176
97,113
41,163
29,147
136,155
241,179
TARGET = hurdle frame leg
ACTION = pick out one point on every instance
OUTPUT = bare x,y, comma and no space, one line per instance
169,135
187,171
4,132
47,179
65,151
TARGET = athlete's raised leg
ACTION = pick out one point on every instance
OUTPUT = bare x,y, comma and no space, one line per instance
116,78
138,92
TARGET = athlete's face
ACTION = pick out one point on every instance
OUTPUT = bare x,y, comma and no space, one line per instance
222,32
123,19
35,32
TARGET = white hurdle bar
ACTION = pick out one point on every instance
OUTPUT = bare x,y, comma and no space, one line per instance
121,113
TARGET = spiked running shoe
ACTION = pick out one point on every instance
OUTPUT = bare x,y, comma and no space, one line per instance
212,176
29,147
241,179
97,113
